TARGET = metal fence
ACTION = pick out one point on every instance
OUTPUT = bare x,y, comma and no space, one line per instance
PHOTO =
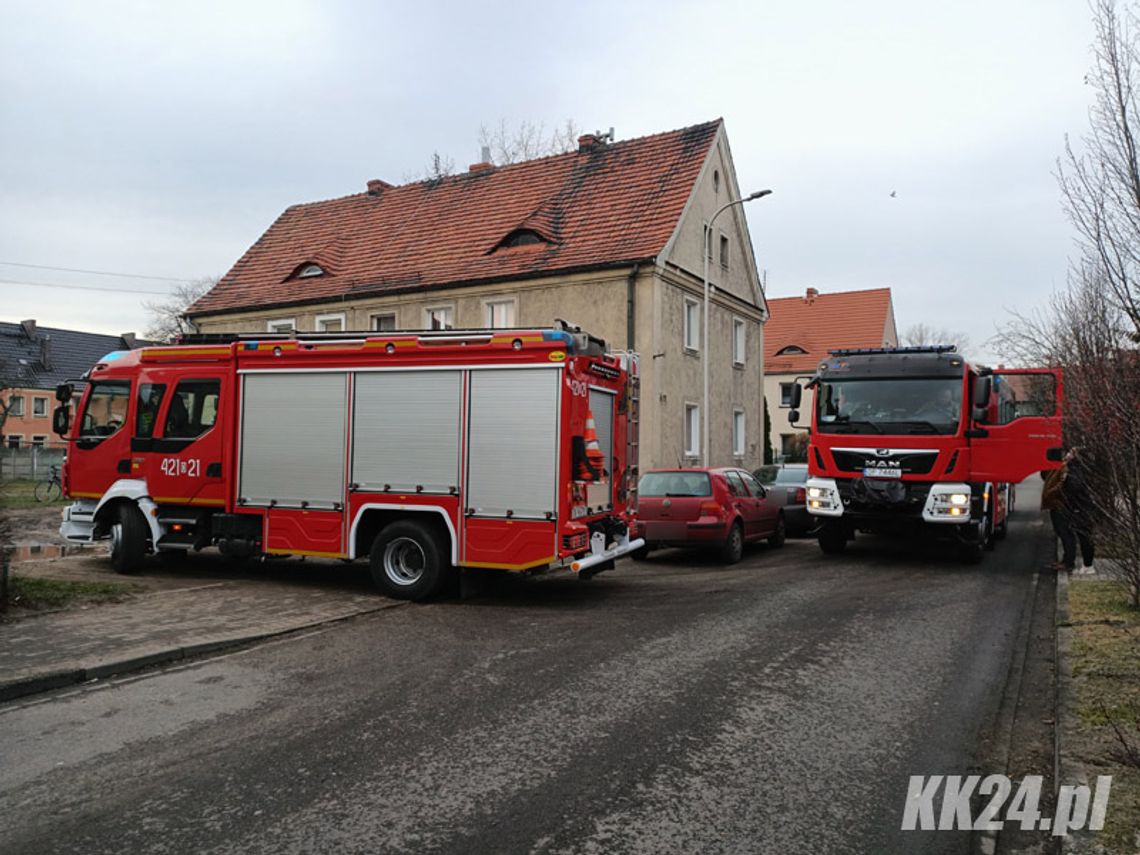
28,463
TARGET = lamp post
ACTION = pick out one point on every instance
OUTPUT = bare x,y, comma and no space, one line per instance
705,336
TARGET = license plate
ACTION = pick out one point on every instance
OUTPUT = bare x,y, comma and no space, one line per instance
882,473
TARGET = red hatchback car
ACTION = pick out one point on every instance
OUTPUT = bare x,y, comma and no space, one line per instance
721,508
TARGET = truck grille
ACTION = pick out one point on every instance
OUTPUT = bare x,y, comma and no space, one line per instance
911,462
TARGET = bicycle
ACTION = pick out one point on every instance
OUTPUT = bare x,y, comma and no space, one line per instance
50,489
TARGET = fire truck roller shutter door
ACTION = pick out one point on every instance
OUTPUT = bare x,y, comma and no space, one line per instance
292,442
513,445
602,409
406,430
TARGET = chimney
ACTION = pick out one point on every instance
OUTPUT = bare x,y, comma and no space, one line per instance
376,187
29,327
45,353
586,143
484,166
812,293
485,154
128,340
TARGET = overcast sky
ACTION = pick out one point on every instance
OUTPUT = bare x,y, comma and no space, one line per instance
162,139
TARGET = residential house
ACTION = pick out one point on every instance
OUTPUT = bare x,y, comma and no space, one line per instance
33,361
800,333
609,237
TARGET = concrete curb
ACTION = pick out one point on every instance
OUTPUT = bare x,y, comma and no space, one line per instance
48,680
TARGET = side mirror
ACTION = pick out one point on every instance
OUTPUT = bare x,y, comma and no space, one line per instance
982,388
63,392
793,416
797,395
61,420
1055,455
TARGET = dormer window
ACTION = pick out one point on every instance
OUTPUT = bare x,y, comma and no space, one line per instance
306,271
790,350
521,237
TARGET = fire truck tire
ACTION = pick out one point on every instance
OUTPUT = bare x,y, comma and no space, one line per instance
733,548
832,538
408,562
128,540
780,534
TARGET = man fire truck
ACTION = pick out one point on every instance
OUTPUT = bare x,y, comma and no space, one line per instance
424,451
917,438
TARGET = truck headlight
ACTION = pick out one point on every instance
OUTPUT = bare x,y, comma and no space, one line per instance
948,503
959,499
823,497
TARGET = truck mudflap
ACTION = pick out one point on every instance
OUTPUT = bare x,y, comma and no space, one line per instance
599,554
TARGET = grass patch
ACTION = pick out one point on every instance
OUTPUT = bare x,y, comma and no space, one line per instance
40,594
1106,668
21,494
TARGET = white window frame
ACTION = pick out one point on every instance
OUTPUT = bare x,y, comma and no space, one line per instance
449,308
375,328
38,400
739,429
786,403
16,410
333,316
739,341
691,332
39,440
272,324
692,427
489,312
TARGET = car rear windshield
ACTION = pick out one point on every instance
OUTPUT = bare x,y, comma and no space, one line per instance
792,476
675,484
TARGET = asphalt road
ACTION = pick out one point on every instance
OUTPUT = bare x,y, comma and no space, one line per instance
674,706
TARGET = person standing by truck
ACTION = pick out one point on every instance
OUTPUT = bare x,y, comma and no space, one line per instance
1066,497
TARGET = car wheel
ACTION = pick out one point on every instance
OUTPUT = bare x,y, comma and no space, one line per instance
780,534
407,561
128,540
733,548
832,538
989,536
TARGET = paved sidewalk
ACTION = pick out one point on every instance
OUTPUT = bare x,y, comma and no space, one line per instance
192,612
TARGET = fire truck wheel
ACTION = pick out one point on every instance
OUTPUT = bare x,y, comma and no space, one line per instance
991,537
128,540
407,561
832,538
733,548
780,534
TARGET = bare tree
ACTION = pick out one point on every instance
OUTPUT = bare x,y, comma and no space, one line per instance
925,335
527,141
167,317
1101,184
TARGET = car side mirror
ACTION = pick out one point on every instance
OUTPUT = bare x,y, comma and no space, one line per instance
982,388
63,392
1055,455
61,420
797,395
793,416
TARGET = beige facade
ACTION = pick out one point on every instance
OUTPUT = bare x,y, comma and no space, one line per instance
653,295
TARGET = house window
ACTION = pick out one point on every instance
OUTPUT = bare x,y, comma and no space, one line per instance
38,441
39,407
692,324
14,440
786,394
281,325
439,318
16,406
723,251
522,237
790,350
330,323
308,270
385,322
692,430
739,340
716,180
707,243
500,314
738,433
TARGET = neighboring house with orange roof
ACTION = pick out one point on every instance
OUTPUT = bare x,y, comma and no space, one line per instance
608,236
799,335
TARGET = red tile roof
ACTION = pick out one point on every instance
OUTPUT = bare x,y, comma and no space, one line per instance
605,205
818,323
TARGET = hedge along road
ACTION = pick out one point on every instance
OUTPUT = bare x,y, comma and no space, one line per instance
779,705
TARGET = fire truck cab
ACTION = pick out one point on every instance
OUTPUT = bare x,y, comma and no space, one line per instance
422,451
917,438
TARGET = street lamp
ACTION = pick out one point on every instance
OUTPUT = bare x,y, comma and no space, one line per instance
705,337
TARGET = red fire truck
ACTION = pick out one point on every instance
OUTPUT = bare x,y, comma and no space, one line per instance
917,438
424,451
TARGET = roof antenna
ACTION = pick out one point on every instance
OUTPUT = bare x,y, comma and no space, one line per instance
607,137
